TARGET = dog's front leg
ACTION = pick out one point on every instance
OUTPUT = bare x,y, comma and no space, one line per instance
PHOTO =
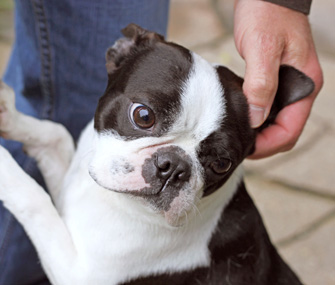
49,143
32,206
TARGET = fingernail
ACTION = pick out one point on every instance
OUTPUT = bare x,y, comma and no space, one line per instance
257,115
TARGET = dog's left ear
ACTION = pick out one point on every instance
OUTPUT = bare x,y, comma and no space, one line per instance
135,37
293,85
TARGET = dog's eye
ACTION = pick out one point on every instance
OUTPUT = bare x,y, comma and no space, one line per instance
142,116
221,166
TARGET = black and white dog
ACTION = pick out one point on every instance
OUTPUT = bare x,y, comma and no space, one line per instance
154,192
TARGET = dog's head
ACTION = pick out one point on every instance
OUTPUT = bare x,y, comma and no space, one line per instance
170,127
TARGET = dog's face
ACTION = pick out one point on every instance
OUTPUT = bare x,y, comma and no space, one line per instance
170,128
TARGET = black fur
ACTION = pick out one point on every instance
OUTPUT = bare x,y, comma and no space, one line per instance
154,69
235,139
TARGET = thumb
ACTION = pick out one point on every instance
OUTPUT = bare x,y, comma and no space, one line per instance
260,82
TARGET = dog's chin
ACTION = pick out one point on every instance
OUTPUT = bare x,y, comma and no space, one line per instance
181,210
175,219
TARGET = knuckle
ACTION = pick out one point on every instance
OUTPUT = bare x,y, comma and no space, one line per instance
291,142
270,44
319,80
288,146
262,87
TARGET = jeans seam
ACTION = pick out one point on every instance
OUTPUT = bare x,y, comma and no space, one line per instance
46,60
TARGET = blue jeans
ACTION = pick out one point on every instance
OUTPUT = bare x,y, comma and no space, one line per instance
57,69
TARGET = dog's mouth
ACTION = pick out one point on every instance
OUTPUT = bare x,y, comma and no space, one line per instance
166,181
172,203
164,186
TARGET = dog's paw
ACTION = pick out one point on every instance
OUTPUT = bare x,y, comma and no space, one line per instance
7,109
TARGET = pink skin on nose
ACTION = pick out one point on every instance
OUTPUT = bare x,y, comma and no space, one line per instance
128,173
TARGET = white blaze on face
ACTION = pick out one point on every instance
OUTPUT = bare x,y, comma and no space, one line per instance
202,111
202,102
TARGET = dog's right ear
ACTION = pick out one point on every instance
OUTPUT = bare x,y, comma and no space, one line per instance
135,37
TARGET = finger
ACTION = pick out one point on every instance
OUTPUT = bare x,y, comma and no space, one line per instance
261,77
284,134
289,123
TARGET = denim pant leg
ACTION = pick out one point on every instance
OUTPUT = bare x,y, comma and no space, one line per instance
57,69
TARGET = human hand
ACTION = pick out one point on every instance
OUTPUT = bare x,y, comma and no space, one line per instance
267,36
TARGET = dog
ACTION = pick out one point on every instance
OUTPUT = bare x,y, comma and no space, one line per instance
154,192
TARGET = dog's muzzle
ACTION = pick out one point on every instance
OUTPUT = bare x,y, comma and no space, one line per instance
168,169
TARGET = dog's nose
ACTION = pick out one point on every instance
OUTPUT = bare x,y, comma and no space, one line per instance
167,170
171,166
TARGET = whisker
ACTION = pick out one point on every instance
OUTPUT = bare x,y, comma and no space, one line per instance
195,208
185,213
